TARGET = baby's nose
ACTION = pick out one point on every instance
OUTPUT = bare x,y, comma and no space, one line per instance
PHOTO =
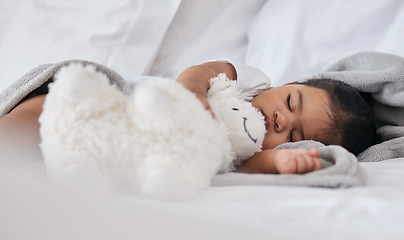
281,122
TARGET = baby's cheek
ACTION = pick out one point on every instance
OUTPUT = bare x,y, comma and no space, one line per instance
271,141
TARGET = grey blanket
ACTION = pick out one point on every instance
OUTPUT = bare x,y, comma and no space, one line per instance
382,75
378,73
12,95
340,170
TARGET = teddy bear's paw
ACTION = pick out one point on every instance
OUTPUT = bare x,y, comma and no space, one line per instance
153,101
78,83
164,184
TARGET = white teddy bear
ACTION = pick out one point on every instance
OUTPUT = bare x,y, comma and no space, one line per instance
159,141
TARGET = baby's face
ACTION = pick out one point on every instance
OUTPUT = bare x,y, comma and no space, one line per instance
292,113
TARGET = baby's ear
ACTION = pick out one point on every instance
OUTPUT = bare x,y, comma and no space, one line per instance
290,83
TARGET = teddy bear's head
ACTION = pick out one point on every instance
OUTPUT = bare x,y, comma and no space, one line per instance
245,124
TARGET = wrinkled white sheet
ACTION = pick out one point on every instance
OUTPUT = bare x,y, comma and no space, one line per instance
135,37
124,35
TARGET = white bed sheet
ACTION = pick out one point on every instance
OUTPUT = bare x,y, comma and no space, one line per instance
38,31
375,211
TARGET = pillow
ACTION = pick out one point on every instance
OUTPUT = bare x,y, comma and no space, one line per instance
289,40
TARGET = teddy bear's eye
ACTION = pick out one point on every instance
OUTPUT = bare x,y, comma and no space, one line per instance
236,109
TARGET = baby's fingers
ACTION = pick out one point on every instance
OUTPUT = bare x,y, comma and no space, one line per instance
314,152
306,163
302,163
317,163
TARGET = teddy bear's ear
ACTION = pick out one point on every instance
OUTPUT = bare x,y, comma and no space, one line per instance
223,84
152,100
78,82
153,105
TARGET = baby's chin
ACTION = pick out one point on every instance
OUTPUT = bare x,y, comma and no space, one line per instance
268,144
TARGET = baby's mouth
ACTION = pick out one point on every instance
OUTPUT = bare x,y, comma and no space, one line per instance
267,121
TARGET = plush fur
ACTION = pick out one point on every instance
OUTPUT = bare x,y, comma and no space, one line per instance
159,141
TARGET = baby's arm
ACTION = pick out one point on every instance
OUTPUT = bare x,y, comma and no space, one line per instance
19,130
276,161
196,78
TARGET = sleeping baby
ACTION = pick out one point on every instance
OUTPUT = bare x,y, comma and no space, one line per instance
318,109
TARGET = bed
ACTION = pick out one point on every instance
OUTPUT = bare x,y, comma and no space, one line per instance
286,39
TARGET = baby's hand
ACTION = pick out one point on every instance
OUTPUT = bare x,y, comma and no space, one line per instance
296,160
205,103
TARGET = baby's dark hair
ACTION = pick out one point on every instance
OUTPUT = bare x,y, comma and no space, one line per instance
353,126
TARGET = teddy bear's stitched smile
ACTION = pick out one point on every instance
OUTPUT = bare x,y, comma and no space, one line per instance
246,130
